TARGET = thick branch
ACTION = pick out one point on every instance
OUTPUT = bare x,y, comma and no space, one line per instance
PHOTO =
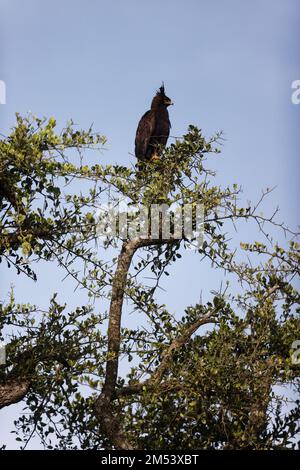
157,375
17,382
177,343
13,239
115,313
13,391
103,405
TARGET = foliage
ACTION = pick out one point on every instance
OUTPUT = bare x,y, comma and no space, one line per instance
215,377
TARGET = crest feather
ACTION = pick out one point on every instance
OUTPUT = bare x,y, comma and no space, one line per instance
162,89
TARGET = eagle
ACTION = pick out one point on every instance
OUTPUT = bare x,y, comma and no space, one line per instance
153,129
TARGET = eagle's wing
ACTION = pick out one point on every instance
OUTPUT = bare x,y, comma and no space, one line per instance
143,134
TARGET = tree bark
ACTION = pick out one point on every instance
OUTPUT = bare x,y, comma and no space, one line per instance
104,404
13,391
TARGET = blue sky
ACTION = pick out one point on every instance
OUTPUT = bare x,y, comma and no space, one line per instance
227,65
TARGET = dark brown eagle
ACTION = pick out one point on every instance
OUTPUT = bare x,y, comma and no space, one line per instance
154,128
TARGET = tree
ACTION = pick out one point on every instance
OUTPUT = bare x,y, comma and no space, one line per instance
212,378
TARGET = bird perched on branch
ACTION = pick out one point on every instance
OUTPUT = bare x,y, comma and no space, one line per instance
153,129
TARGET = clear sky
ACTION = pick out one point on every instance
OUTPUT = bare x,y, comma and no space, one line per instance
227,65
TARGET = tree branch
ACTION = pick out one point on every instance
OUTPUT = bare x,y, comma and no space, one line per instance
103,404
13,391
157,375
